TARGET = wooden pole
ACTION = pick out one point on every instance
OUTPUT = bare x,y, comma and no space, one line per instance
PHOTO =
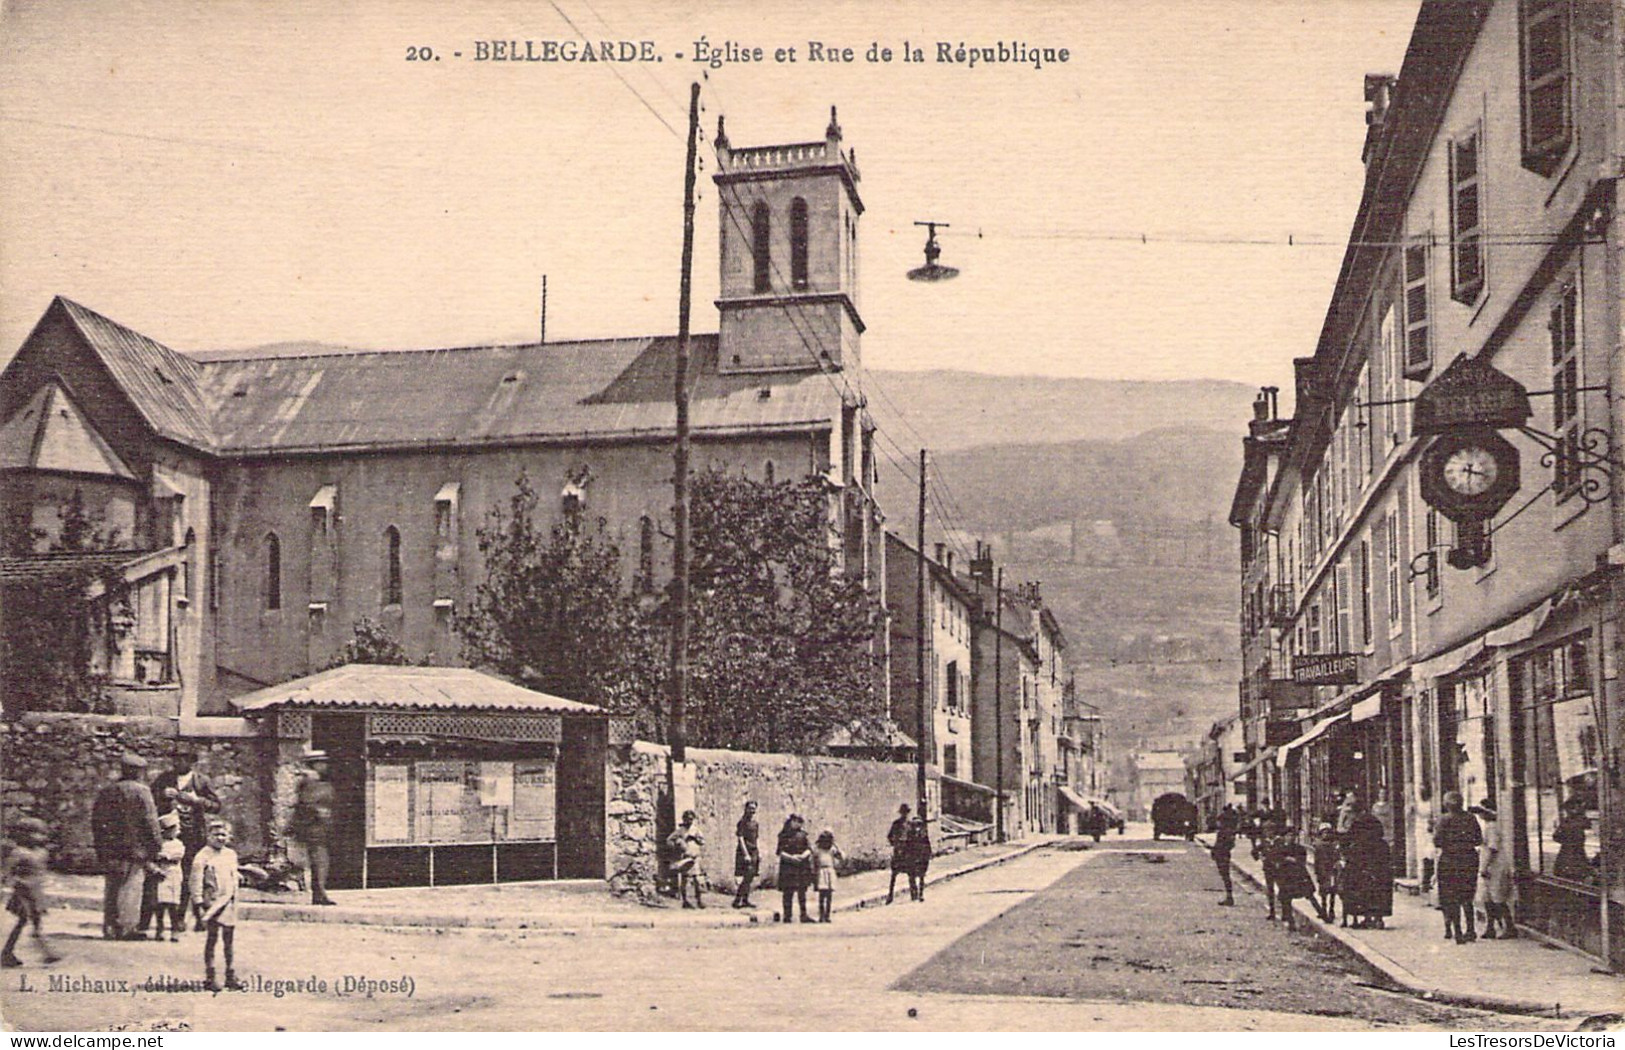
920,624
679,556
998,705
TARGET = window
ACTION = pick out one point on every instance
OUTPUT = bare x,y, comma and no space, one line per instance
646,554
391,583
1544,50
214,580
1433,578
1392,525
445,519
189,568
1315,640
798,243
273,571
953,684
1558,748
761,235
1466,219
1418,346
1345,633
1396,413
767,472
1566,421
950,759
1363,567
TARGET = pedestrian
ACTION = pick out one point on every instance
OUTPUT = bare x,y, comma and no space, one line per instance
312,823
124,825
1224,844
747,855
687,844
1292,881
917,855
1495,874
1347,812
825,857
897,836
25,864
214,887
165,874
1570,834
185,791
1368,883
1265,853
1324,851
1457,838
795,866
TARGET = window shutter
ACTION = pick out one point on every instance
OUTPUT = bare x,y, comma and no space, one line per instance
1418,342
1466,206
1545,53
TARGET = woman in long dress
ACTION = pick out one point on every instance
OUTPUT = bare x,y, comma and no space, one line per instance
1368,887
1495,874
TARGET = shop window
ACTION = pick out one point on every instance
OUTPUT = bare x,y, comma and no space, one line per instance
1562,753
1545,54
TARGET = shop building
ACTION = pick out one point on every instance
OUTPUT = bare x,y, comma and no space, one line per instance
1443,518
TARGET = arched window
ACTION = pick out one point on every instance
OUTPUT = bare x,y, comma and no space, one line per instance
273,571
391,587
189,566
767,472
761,234
798,243
646,553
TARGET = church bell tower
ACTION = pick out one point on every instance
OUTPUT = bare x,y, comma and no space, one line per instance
789,253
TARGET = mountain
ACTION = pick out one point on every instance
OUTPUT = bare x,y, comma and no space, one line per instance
954,410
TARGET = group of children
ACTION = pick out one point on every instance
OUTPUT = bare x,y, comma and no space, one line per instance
1332,866
214,883
685,847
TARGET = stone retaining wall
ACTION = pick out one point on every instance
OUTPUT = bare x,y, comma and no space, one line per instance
52,766
855,799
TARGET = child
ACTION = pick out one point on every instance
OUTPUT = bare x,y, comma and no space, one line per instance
214,888
165,873
1292,879
825,856
1265,852
25,870
1325,855
686,845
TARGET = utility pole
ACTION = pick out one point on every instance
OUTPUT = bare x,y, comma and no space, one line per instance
543,338
998,706
679,557
920,621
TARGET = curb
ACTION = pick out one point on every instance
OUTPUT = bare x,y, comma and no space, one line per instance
264,911
1409,982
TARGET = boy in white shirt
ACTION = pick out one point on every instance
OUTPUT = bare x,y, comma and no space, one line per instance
214,888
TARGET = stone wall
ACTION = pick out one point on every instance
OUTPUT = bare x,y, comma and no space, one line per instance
54,764
855,799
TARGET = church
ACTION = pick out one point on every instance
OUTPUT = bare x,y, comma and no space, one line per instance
256,504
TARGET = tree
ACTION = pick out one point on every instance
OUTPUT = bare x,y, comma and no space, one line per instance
370,643
47,621
782,646
551,612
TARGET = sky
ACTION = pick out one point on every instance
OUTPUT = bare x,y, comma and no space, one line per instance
245,172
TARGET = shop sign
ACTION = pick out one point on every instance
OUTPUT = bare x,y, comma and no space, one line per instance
1284,694
1471,393
1326,668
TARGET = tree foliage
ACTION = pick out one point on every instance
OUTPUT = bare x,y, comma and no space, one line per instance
371,642
782,644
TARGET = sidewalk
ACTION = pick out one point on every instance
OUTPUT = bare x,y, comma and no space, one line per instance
1524,975
556,906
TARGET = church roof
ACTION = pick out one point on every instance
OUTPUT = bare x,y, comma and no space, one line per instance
161,383
51,433
495,395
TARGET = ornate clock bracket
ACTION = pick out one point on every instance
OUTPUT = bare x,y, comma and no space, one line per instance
1593,455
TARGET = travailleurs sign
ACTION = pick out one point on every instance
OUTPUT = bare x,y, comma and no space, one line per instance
1326,668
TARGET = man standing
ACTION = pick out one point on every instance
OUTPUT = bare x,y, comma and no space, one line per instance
312,824
124,823
189,794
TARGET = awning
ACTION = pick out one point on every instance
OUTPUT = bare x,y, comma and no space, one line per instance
1370,707
324,499
1521,629
1077,801
1314,731
1262,757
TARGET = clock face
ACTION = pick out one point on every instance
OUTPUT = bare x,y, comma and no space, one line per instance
1471,471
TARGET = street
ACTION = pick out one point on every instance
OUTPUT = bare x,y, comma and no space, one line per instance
1120,936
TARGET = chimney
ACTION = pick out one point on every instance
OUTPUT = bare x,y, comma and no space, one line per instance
1303,374
1379,98
950,563
940,547
1274,394
981,566
1264,409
